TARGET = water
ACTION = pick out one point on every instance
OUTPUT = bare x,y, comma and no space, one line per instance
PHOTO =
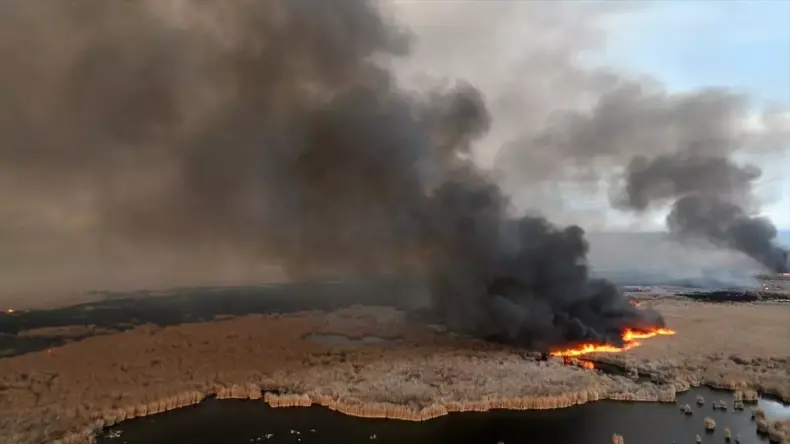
242,422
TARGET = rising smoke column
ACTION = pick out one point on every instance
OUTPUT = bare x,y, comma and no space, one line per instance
523,280
268,128
710,195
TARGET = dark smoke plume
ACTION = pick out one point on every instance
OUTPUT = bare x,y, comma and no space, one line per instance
709,195
270,129
727,224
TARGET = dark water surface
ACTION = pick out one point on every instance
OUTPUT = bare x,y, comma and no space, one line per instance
240,422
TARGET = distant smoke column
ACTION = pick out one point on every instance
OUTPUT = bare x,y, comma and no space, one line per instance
706,191
727,224
674,145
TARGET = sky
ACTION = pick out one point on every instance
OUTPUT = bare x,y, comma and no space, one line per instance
522,49
739,44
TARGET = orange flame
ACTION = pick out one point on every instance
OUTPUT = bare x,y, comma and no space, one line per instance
634,303
589,365
629,338
10,310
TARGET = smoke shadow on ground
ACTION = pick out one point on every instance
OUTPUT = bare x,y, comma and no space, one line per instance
123,311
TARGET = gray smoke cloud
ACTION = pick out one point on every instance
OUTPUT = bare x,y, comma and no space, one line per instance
275,130
678,150
711,197
726,223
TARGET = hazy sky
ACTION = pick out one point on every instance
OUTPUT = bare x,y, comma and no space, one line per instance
526,57
740,44
683,44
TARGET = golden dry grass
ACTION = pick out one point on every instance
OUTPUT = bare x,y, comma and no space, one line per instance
81,386
704,329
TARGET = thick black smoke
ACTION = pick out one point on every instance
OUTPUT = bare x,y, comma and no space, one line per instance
518,280
270,129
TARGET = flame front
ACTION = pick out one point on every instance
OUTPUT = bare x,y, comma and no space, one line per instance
629,338
630,335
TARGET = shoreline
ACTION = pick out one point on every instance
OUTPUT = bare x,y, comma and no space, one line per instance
377,410
382,410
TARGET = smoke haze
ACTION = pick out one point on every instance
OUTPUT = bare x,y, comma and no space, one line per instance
644,258
149,141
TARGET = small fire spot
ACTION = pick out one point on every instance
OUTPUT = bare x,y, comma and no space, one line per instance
589,365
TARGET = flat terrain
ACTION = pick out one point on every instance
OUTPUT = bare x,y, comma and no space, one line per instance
705,329
68,392
733,346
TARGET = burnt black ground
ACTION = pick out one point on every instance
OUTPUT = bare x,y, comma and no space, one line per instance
121,311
